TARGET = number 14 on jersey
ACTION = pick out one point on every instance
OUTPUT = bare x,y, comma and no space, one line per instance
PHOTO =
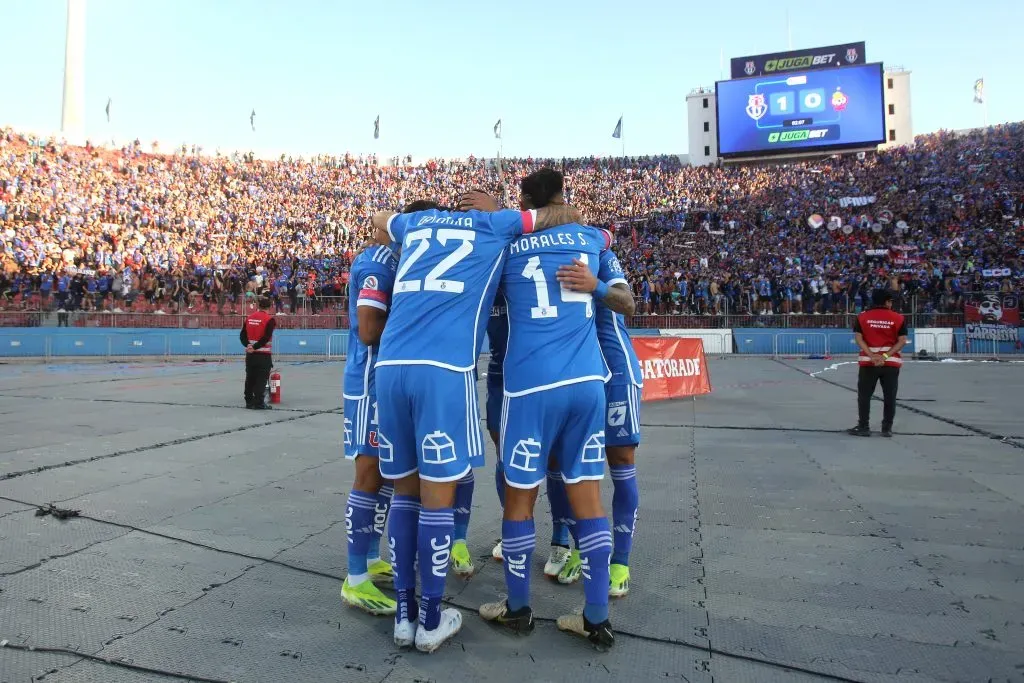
544,309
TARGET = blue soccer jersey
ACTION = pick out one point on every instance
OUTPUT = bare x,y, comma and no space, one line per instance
447,277
445,284
370,283
552,330
554,371
611,329
624,390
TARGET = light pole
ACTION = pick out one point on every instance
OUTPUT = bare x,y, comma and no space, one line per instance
72,123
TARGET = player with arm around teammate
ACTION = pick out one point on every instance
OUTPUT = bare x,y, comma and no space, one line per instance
553,409
429,434
623,392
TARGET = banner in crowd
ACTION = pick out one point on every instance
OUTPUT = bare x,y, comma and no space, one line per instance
992,317
857,201
798,60
904,257
673,367
996,272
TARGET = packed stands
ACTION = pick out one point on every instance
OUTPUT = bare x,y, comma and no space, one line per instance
128,231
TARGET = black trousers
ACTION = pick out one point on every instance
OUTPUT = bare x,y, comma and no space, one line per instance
257,373
890,380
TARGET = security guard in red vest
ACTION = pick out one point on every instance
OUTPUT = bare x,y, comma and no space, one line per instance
256,336
880,333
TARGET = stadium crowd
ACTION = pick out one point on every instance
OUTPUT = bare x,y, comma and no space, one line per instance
99,229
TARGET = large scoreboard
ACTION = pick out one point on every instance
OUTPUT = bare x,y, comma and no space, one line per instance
807,111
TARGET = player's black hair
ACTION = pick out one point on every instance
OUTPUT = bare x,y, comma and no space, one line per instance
542,186
421,205
880,297
264,302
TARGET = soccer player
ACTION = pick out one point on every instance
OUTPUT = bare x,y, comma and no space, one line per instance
622,425
371,280
429,435
554,406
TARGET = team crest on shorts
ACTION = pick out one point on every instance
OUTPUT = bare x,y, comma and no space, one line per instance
756,106
373,439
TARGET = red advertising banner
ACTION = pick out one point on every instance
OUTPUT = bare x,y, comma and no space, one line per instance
673,367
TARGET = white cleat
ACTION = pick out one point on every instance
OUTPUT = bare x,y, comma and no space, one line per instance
556,561
405,633
428,641
496,553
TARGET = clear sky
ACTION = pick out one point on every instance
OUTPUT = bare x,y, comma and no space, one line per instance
441,72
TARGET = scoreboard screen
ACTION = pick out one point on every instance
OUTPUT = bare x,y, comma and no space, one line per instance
809,111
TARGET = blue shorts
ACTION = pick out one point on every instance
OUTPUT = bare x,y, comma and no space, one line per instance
429,422
622,426
567,421
495,396
361,425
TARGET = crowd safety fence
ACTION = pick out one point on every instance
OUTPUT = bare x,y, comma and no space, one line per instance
210,344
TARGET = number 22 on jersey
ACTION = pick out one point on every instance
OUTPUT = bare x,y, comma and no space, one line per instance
423,240
544,309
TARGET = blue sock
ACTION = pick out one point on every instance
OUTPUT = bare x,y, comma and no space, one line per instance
560,510
518,540
595,539
435,545
359,530
402,529
625,502
380,517
570,524
499,481
463,505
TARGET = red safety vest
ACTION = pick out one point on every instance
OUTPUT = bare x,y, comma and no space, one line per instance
256,326
880,328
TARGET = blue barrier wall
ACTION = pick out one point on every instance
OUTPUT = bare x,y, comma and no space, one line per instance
30,342
119,342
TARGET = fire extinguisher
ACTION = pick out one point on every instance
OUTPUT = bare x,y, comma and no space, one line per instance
275,387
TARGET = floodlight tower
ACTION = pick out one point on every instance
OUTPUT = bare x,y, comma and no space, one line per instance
72,121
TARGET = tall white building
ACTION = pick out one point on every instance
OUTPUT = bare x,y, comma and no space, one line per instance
899,127
72,116
702,126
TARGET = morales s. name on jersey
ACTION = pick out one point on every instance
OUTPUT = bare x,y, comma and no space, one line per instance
546,240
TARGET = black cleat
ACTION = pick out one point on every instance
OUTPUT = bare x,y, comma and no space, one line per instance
600,635
887,433
859,431
520,620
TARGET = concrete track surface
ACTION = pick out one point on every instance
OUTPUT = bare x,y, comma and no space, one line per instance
770,546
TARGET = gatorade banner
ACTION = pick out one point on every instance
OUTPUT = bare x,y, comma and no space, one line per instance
673,367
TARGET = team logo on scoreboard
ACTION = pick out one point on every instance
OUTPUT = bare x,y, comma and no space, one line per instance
839,100
757,107
851,55
749,68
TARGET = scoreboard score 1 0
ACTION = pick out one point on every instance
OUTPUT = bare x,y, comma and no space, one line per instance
827,109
